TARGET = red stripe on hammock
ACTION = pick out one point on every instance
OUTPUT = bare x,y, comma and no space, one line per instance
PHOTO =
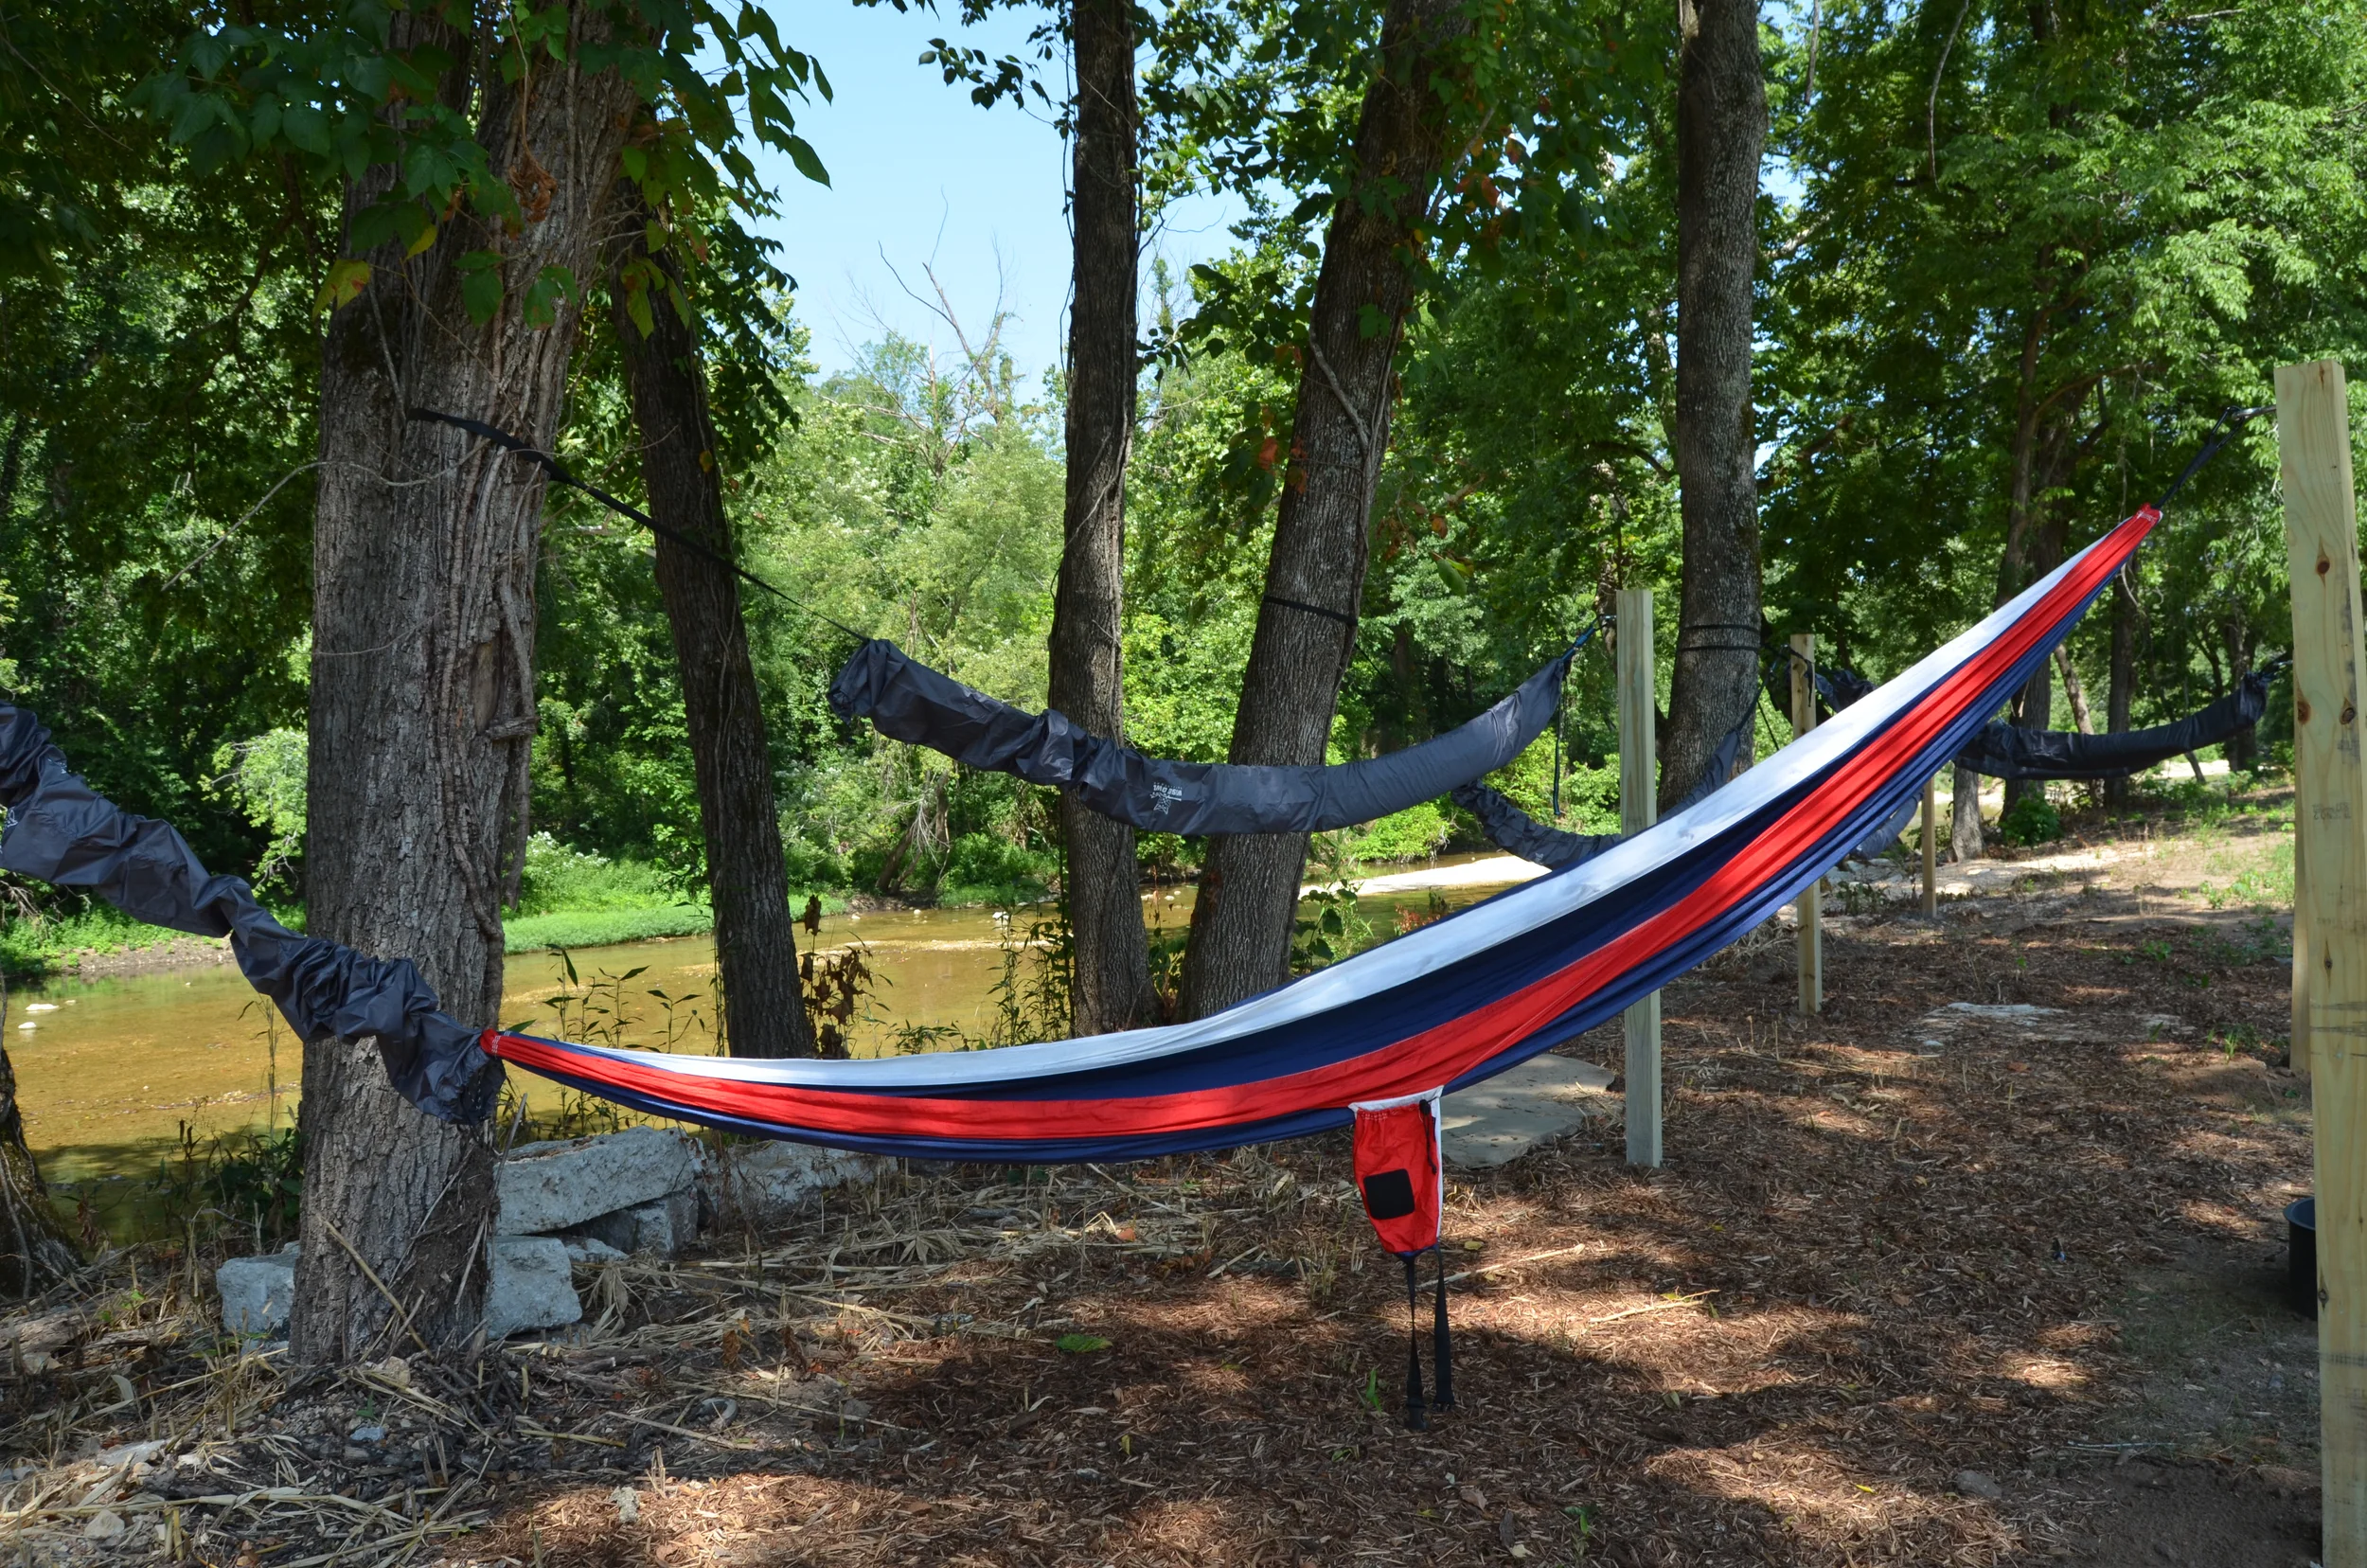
1412,1065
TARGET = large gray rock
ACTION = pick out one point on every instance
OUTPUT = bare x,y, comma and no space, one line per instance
1521,1107
257,1293
529,1284
554,1186
663,1228
761,1185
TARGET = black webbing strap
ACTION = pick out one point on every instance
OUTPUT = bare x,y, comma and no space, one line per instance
559,474
1343,619
1414,1418
2231,420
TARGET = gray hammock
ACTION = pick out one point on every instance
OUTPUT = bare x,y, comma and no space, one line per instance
908,701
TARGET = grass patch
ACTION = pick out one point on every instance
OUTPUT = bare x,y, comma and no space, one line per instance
574,928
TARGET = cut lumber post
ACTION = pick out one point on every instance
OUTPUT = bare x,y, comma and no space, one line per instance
1808,908
1931,848
1639,785
2330,794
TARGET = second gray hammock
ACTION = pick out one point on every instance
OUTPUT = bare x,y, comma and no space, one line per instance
908,701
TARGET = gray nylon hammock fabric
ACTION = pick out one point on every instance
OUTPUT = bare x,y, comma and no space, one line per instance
1516,832
2003,752
908,701
61,832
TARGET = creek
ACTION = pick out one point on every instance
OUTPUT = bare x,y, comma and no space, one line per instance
114,1073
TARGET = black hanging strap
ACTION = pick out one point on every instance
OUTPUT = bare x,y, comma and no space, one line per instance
1341,618
1414,1418
1441,1347
2231,420
550,465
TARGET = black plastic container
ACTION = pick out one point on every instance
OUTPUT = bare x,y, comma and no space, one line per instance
2301,1237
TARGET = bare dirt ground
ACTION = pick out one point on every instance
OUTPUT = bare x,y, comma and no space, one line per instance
1919,1285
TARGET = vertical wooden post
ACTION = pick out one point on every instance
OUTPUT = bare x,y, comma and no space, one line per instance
1639,780
1809,906
2330,794
1931,848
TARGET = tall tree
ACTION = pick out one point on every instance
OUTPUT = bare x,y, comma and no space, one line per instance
1103,885
474,182
1249,890
681,474
424,545
1721,128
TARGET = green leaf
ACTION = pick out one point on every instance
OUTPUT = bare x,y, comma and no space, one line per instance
481,288
306,128
808,161
1079,1345
347,278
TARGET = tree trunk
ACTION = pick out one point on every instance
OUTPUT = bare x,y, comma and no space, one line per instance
1963,823
2034,707
35,1252
1103,883
1721,127
423,707
755,946
2240,746
1240,941
2121,686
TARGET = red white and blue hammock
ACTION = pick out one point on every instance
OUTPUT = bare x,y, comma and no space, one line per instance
1442,1008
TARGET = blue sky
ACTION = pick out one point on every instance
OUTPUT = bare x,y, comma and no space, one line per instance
921,178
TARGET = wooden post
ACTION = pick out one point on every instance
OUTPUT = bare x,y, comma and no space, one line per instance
2330,794
1931,848
1810,905
1639,779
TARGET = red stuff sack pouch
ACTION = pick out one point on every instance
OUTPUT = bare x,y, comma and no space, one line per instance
1399,1171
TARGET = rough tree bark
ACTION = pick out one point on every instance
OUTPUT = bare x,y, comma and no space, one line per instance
422,702
1240,941
755,947
35,1252
2121,687
1721,127
1103,884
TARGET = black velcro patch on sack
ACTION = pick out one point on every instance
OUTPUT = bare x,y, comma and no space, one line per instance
1389,1194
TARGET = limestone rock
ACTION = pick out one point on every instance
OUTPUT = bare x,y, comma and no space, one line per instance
529,1285
659,1229
763,1185
257,1293
558,1185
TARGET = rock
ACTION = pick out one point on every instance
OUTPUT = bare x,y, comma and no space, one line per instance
661,1229
257,1293
628,1505
368,1434
760,1186
1974,1484
582,1250
529,1285
1522,1107
104,1526
555,1186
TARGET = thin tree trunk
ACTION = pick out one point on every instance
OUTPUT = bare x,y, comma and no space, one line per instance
35,1252
2121,687
1103,884
755,946
2239,747
422,701
2073,692
1963,822
1240,941
1721,127
2034,706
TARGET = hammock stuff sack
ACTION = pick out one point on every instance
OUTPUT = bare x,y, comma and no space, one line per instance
1401,1172
1447,1005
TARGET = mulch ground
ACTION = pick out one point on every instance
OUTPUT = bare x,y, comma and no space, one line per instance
1877,1309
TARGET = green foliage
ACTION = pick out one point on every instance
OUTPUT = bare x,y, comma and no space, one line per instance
2033,820
266,776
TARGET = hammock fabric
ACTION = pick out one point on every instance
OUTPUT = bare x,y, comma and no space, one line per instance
2002,751
908,701
1516,832
1444,1007
63,833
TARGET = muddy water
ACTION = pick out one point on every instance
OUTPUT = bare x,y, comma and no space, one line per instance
109,1071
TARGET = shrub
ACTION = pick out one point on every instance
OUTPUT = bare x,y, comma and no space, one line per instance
2033,820
988,868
